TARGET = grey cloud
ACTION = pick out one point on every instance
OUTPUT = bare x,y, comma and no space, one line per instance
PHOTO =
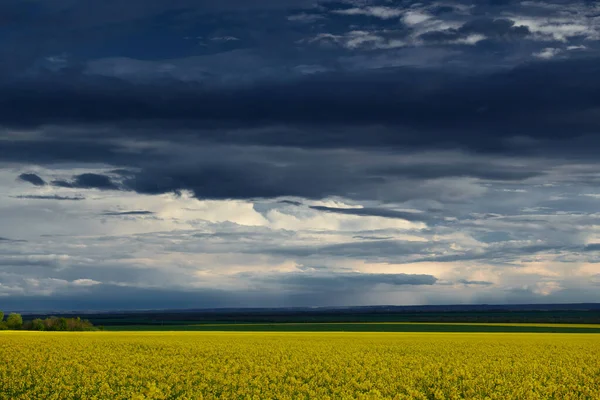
362,237
33,179
380,250
50,197
88,181
31,264
372,11
291,202
128,213
3,239
227,172
477,283
348,281
592,247
105,297
114,297
376,212
481,170
503,253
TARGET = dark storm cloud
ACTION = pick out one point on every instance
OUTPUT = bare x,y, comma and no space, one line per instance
235,179
57,35
232,172
112,10
350,281
64,147
33,179
211,182
376,212
442,9
546,101
88,181
50,197
38,30
302,290
112,297
53,18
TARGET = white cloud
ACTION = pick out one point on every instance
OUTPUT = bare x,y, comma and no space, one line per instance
548,53
412,18
86,282
378,12
546,288
471,39
559,29
356,39
325,37
359,40
322,221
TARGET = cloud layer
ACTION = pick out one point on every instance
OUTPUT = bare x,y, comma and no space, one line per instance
291,152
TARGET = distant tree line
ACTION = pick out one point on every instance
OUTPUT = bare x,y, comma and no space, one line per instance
14,321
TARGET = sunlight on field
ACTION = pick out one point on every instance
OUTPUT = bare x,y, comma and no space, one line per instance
206,365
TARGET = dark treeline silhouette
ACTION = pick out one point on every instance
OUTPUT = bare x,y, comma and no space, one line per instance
536,313
58,324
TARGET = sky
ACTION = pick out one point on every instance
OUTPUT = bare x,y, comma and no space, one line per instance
280,153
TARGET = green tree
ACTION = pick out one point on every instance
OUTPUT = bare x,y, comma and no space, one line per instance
62,324
37,325
1,316
14,321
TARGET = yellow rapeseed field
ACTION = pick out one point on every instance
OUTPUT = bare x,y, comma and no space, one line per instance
245,365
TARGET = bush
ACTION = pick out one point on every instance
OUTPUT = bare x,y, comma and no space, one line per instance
14,321
59,324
